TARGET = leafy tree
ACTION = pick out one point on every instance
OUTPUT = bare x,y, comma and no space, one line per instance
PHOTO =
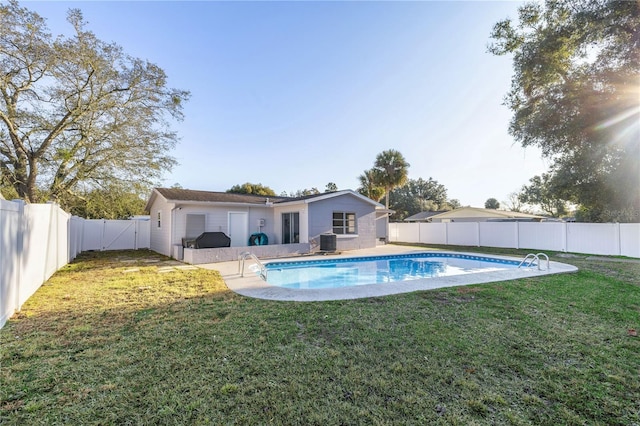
76,112
541,192
417,196
574,94
391,171
492,203
369,186
331,187
301,193
107,203
252,188
451,204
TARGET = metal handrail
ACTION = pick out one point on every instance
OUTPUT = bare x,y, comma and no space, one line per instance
547,257
243,256
531,257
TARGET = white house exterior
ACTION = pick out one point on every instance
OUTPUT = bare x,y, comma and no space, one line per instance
292,225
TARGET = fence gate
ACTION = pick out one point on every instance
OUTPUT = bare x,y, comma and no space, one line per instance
100,234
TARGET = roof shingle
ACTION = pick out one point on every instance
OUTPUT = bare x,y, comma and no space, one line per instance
179,194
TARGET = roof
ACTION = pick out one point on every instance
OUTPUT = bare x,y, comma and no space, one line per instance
175,194
422,216
193,196
471,212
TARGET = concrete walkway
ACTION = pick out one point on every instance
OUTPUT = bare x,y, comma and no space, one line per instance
251,285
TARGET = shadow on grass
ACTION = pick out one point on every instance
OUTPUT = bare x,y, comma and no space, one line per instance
101,346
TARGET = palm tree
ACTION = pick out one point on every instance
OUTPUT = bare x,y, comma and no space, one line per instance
368,185
390,171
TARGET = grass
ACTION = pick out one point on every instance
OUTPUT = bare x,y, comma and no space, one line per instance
110,340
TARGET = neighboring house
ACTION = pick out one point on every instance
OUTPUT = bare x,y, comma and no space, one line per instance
474,214
422,216
291,224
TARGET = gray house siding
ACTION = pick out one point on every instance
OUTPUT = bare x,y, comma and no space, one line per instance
321,221
212,209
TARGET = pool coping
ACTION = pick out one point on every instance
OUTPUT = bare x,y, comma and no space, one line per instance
251,285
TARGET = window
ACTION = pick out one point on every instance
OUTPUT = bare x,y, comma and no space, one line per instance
344,223
159,221
195,225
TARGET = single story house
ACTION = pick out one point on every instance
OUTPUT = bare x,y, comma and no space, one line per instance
287,225
474,214
422,216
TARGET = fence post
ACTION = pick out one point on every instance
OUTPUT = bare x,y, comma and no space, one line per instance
104,228
135,234
446,233
20,250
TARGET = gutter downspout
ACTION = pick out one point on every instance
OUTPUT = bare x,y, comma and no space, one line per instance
173,229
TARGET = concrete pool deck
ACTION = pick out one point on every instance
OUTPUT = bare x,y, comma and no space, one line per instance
251,285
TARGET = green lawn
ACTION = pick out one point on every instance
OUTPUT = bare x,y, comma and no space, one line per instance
110,340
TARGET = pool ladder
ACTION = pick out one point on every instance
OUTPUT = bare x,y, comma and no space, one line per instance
532,258
243,256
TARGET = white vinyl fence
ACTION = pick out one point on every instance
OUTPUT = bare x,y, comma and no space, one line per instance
38,239
612,239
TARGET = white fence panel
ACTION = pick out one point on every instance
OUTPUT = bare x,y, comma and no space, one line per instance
39,253
62,238
76,225
10,214
143,234
463,234
119,234
590,238
433,233
92,231
630,239
542,235
498,234
593,238
408,233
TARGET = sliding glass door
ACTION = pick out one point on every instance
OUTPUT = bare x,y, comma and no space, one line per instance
290,228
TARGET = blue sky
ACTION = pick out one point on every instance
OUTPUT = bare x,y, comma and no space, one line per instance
294,95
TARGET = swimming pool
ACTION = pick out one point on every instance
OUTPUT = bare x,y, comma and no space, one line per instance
348,272
252,285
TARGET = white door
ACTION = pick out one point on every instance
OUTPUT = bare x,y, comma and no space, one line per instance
239,229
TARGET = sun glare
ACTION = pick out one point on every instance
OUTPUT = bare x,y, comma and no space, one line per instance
626,121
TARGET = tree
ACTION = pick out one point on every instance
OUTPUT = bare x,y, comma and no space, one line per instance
252,188
78,113
107,203
541,192
492,203
417,195
369,186
301,193
331,187
513,203
451,204
574,94
391,171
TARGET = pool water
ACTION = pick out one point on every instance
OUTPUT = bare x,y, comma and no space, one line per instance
338,273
